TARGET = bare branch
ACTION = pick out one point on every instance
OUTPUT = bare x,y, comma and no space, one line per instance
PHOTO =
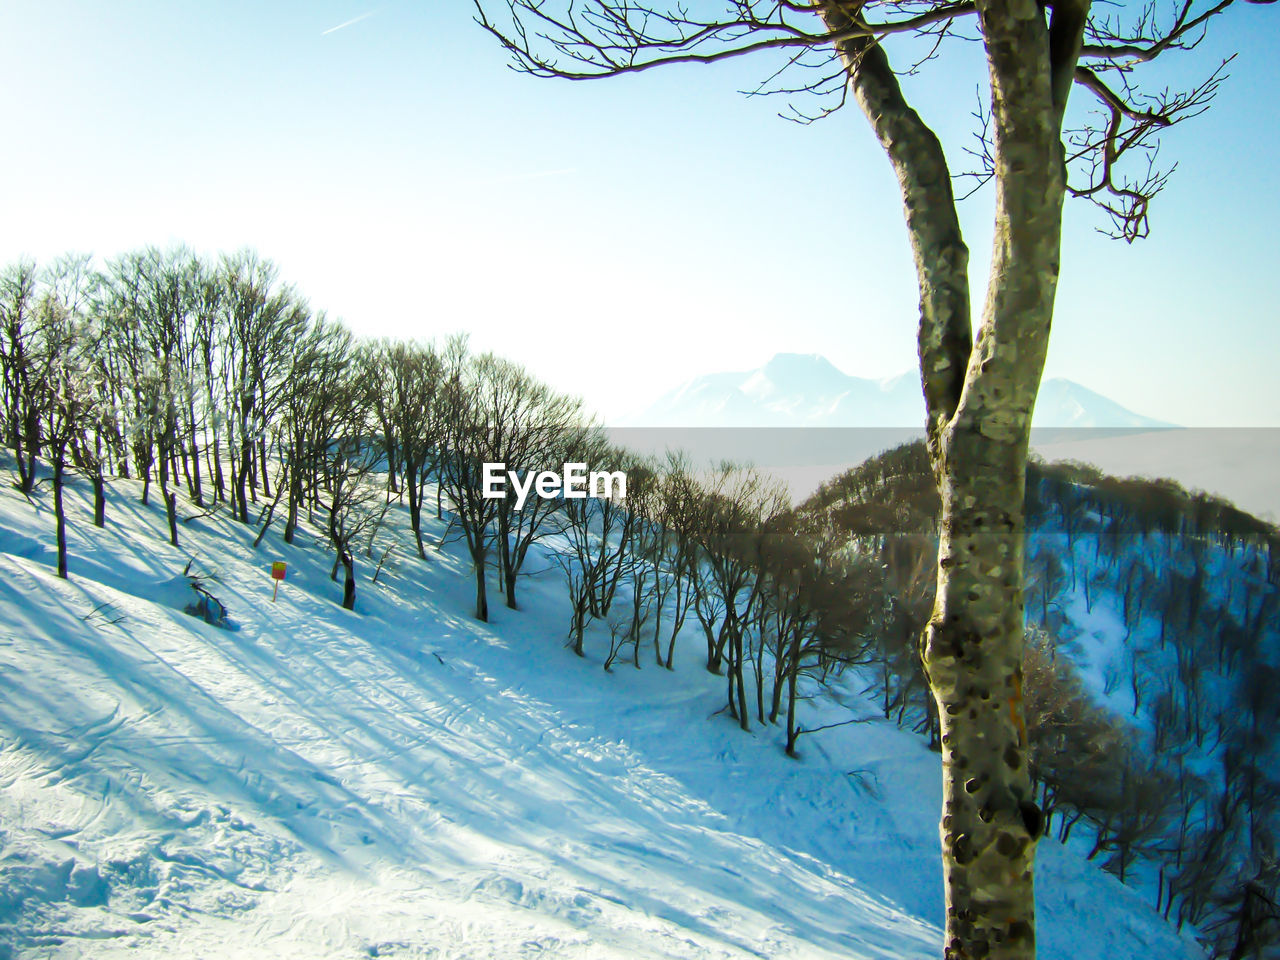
983,152
1098,48
1130,123
1118,46
592,39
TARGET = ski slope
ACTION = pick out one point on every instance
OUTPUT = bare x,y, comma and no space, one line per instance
402,781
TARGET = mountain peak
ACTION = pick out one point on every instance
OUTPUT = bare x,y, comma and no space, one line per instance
797,375
800,364
807,390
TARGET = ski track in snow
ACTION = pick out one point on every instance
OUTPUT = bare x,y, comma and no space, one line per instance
403,781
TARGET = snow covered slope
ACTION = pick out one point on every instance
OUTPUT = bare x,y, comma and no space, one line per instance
402,781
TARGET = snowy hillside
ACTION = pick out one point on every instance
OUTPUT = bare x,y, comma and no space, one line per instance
806,390
402,781
1152,671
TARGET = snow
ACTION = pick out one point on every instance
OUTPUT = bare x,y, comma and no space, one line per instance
402,781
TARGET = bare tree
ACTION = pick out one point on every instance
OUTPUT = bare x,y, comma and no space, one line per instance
791,569
531,429
1248,922
64,395
49,394
738,504
676,553
350,459
263,323
411,375
143,313
20,371
979,391
312,411
637,558
468,420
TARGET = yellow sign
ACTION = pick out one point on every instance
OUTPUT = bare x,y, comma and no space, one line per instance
277,570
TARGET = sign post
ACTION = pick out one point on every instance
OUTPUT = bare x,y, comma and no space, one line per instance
277,574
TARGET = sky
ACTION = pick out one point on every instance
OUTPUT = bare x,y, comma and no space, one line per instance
617,237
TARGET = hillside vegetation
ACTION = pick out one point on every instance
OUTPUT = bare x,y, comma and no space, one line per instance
1151,672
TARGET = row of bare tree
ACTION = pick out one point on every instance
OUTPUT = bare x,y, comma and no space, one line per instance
217,378
720,549
169,369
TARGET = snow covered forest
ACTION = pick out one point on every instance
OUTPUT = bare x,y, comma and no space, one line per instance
217,422
1151,670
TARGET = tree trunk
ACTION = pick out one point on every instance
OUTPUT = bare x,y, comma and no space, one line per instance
59,514
979,396
714,649
578,625
682,609
262,459
389,451
974,644
973,657
482,596
729,694
171,509
270,512
658,603
197,492
170,499
412,480
25,450
242,479
793,734
219,481
99,501
789,666
295,495
759,667
184,461
26,466
349,581
506,561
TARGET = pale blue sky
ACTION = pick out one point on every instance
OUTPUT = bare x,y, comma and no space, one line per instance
617,237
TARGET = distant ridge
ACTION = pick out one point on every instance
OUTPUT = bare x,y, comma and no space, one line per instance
807,390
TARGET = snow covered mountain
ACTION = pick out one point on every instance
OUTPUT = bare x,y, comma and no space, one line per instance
402,781
806,390
1072,423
